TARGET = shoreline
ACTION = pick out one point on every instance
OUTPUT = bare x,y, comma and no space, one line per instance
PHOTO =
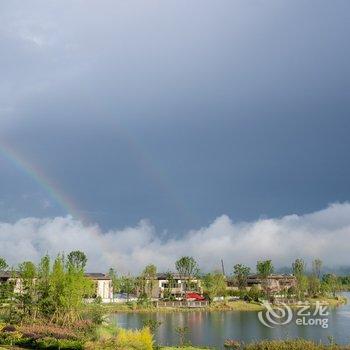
239,306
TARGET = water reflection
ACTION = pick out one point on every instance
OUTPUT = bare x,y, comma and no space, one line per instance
212,328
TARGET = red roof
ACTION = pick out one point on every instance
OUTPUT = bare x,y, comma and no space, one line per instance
194,296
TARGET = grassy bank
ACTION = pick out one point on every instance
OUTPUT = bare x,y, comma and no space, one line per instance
238,305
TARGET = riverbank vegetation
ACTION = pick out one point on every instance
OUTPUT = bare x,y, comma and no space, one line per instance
45,306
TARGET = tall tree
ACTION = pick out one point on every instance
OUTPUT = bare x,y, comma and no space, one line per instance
299,268
128,284
149,274
116,283
3,264
28,294
77,259
241,273
187,268
316,268
264,269
214,285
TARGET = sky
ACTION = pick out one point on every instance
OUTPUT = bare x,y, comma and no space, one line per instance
173,119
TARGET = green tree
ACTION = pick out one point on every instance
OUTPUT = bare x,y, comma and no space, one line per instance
316,268
150,275
128,284
3,264
241,273
27,296
116,281
69,288
214,285
332,283
264,269
187,267
45,301
77,259
298,268
170,286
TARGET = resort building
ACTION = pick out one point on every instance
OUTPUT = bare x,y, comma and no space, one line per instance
103,285
167,286
275,283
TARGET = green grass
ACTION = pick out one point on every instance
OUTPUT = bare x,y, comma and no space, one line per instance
238,305
183,348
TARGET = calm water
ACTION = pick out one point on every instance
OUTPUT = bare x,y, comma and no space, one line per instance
212,328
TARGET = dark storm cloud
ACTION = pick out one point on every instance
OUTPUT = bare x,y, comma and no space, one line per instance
180,111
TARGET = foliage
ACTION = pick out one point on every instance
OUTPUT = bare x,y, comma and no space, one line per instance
254,293
128,284
77,260
214,285
187,266
124,339
295,344
55,292
137,339
241,273
3,264
298,268
170,284
116,282
153,325
149,275
182,333
316,268
331,283
264,268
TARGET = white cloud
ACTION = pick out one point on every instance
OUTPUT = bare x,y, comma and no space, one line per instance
324,234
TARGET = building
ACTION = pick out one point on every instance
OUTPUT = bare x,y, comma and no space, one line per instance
172,285
275,283
103,285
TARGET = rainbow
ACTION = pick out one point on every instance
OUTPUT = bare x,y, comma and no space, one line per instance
32,170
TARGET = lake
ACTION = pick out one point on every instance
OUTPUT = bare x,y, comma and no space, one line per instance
212,328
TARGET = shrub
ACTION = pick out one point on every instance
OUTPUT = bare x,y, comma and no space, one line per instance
125,339
137,339
296,344
59,344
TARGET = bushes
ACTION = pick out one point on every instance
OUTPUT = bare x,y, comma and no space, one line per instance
110,339
139,339
296,344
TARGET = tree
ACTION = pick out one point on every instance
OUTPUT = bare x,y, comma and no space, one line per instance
128,285
298,268
77,259
3,264
332,283
316,268
28,294
264,269
45,302
69,288
116,282
149,274
214,285
187,267
241,273
170,285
